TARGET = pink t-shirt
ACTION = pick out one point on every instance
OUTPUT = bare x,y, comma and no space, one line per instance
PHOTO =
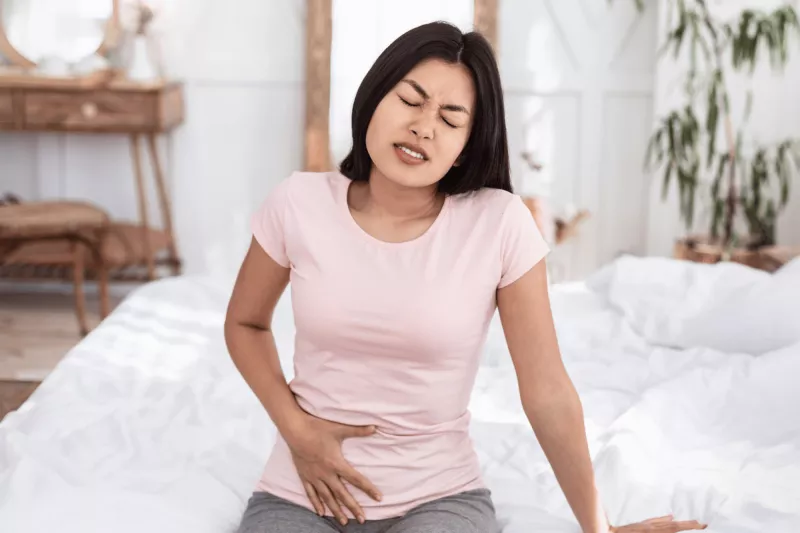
391,334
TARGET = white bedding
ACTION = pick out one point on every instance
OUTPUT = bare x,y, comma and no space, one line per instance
146,426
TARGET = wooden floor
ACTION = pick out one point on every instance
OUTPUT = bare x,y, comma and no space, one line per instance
36,331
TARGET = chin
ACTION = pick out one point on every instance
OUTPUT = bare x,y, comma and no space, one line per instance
407,176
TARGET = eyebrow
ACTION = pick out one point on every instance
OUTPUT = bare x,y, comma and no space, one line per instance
447,107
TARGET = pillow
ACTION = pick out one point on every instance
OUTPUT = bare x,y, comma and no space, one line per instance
726,306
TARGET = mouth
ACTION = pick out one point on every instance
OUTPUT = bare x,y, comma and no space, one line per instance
412,150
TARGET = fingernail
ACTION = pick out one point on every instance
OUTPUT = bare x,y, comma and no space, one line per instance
343,521
360,519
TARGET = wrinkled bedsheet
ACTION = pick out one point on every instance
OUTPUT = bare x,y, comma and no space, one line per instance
146,426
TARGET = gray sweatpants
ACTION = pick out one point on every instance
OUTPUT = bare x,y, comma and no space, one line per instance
467,512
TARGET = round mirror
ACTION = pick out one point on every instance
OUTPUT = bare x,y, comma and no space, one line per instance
65,30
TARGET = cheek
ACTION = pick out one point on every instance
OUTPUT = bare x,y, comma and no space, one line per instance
377,126
453,145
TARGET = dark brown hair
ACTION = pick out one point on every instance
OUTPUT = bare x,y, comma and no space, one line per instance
484,161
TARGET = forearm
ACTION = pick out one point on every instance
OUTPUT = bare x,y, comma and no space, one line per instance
255,355
557,420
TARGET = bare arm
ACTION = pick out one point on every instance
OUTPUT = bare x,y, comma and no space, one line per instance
553,407
549,398
259,286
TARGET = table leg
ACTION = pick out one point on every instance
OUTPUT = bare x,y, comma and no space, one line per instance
102,272
141,194
163,197
77,281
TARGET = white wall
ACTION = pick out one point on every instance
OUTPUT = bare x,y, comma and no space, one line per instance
579,76
775,116
244,76
579,82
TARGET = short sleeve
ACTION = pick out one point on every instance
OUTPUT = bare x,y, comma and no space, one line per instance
522,242
268,223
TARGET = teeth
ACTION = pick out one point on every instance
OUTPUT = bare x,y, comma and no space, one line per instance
412,153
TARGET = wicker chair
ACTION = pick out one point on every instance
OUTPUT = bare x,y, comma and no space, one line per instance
46,240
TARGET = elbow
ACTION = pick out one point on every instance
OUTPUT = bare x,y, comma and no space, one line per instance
236,331
232,330
555,398
228,334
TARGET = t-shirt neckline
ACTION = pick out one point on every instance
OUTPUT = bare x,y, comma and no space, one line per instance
344,189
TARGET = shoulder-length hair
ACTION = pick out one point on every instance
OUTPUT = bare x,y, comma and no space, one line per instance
484,160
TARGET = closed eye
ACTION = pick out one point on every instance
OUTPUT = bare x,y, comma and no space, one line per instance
407,102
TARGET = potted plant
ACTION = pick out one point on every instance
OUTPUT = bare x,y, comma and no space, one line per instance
744,185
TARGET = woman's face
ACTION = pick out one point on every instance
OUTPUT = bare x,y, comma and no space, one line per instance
420,127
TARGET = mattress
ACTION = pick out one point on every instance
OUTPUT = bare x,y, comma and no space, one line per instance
147,426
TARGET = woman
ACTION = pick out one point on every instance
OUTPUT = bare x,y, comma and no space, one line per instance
397,263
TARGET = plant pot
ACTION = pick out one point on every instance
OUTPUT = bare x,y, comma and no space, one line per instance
704,250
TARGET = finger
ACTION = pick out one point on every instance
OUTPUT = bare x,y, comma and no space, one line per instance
314,498
349,432
665,518
327,496
358,480
344,496
689,525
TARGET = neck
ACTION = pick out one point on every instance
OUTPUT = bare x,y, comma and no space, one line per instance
384,197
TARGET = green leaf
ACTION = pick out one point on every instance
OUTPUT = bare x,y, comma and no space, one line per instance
691,192
757,178
740,39
690,131
694,44
680,31
672,141
650,151
667,178
712,118
717,183
716,221
783,172
769,38
682,194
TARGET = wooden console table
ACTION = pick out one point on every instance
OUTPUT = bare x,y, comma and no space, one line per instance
99,106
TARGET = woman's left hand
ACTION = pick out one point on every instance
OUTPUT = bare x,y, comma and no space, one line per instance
662,524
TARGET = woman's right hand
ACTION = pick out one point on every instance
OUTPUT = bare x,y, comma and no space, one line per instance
316,447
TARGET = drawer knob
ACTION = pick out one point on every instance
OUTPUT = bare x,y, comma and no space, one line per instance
89,110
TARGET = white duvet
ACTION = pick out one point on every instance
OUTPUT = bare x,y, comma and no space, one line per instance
146,426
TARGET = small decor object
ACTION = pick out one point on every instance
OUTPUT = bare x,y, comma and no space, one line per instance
556,229
142,66
90,65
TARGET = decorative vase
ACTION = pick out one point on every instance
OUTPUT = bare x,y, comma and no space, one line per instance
141,66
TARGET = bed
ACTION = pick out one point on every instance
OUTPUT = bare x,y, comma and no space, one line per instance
146,426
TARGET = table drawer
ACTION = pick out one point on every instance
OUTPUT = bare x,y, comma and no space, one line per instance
6,108
92,110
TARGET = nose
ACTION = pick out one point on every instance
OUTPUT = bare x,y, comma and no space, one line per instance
423,127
